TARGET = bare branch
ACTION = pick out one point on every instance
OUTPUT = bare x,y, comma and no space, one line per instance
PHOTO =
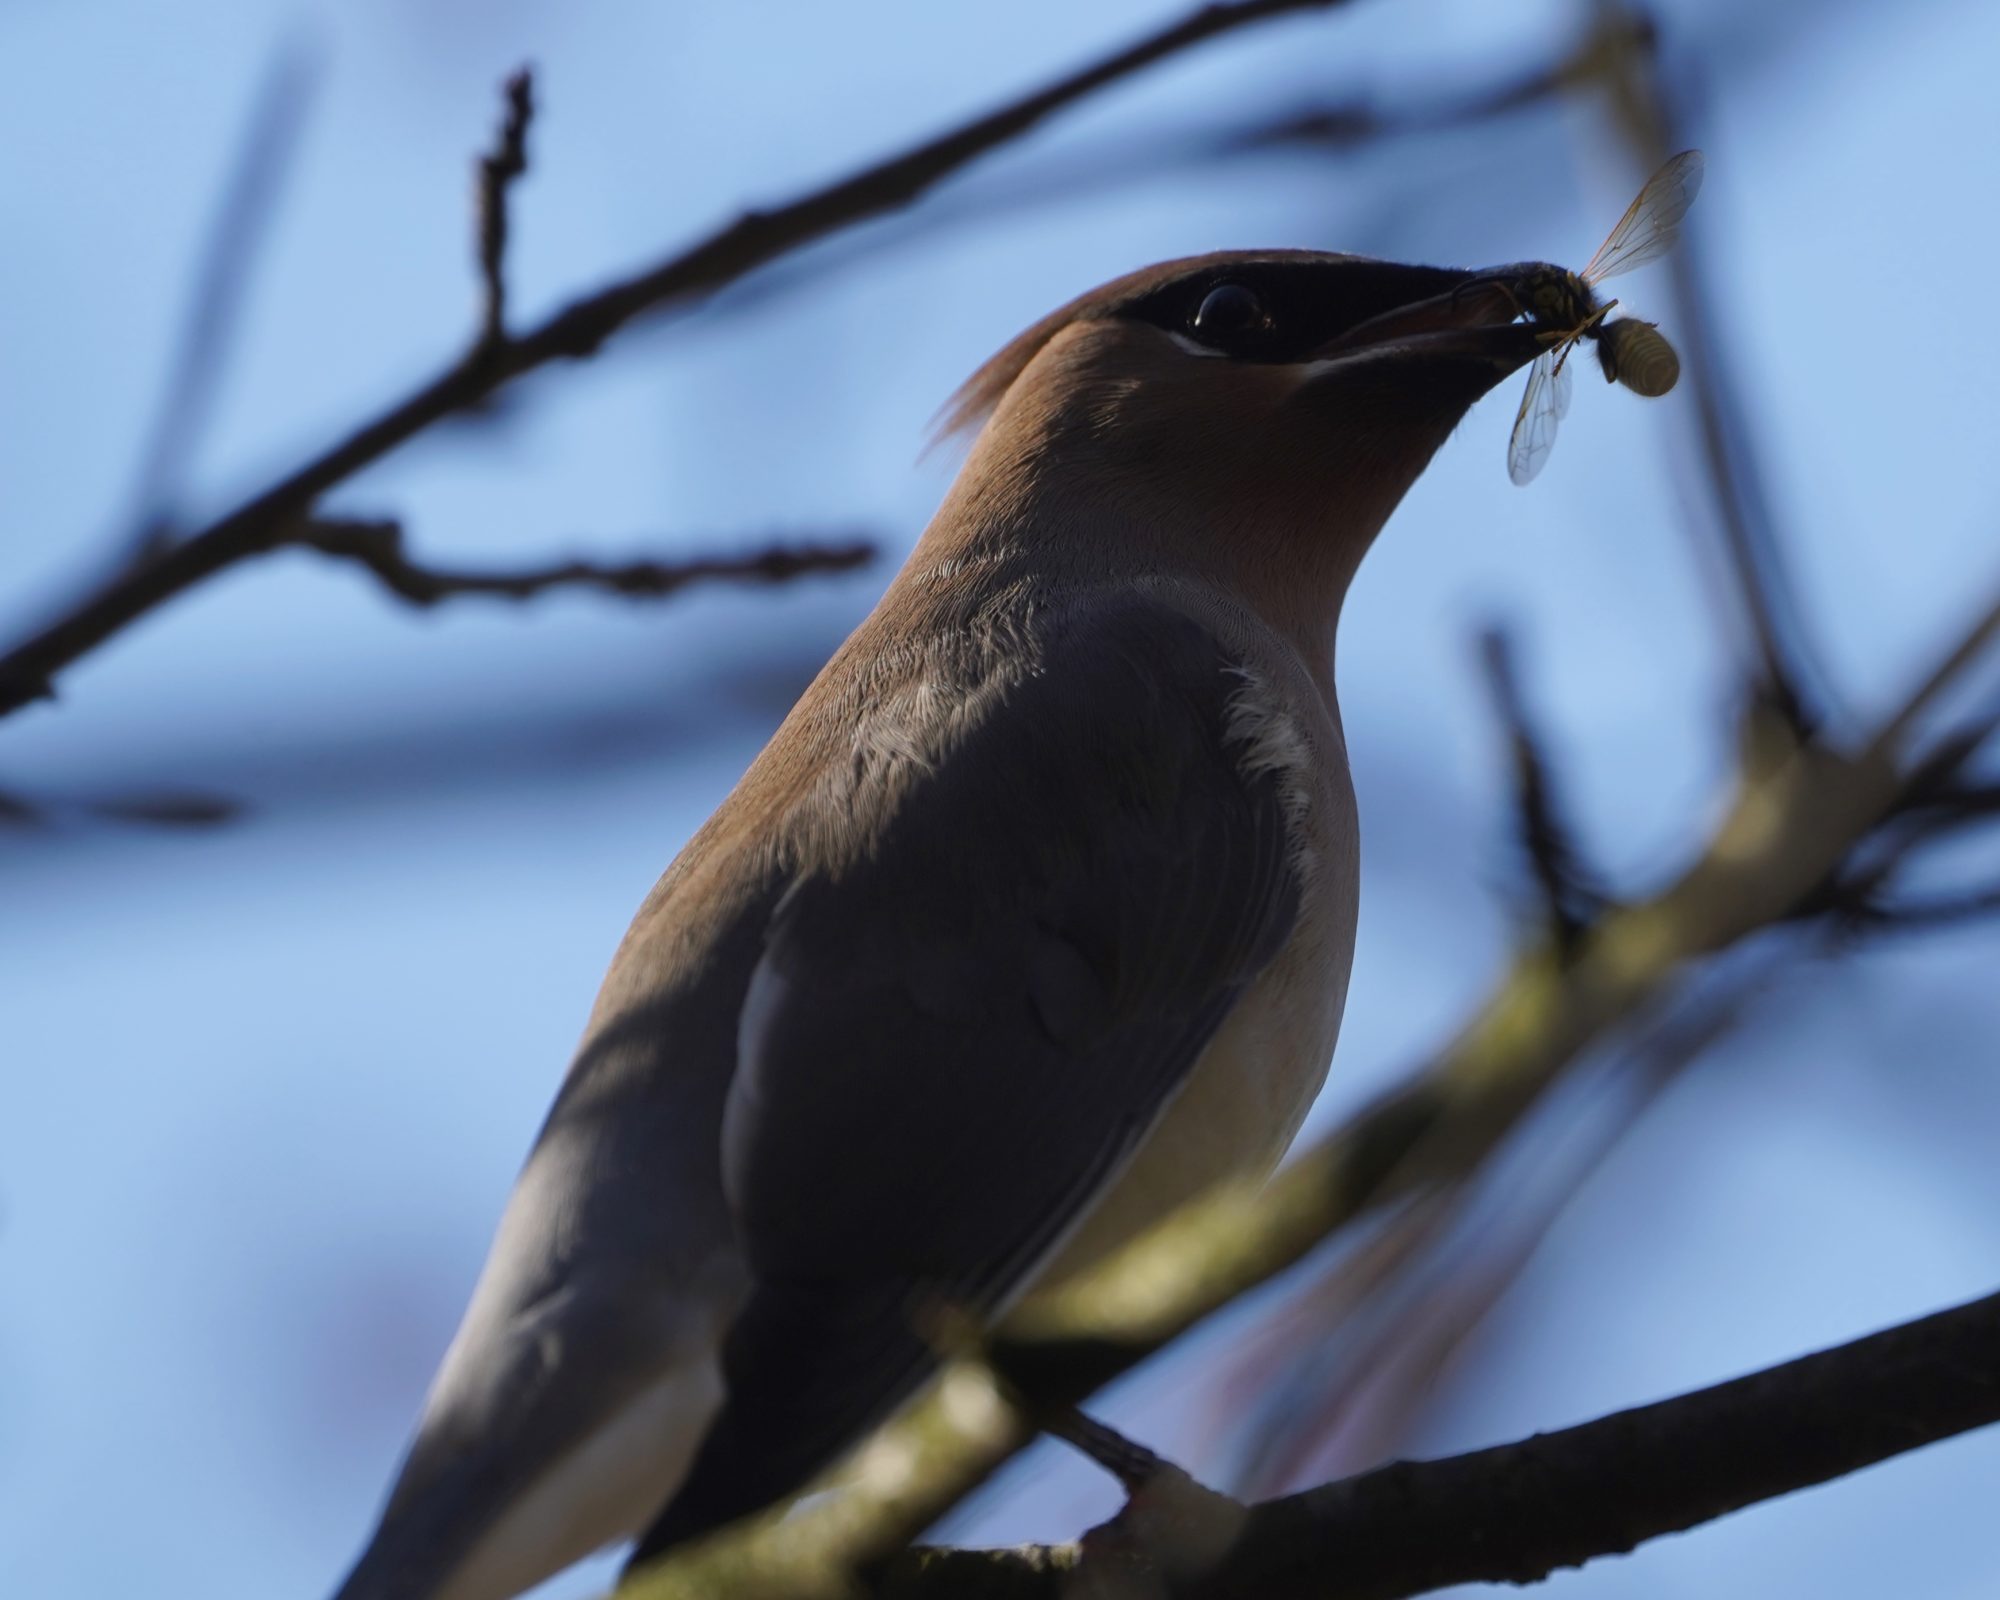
1877,913
1321,128
1363,1356
184,808
1343,124
249,198
1518,1512
1783,666
1571,900
1130,1462
274,517
495,175
378,546
1966,649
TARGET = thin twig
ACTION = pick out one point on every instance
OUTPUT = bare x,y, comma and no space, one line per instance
1784,667
274,517
378,546
1130,1462
495,176
1570,899
242,221
1340,125
1950,667
1438,1295
1879,914
185,808
1320,128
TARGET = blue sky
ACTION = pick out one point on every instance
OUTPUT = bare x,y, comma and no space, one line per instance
267,1086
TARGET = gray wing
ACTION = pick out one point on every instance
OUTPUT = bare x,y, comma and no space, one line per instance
605,1287
953,1044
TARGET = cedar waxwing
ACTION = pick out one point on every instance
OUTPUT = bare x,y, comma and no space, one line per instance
1032,921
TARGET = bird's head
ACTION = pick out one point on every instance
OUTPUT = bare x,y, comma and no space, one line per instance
1257,413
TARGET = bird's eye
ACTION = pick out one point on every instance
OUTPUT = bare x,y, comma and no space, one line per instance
1228,312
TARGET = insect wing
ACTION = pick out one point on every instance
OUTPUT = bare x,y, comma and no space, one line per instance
1543,403
1652,222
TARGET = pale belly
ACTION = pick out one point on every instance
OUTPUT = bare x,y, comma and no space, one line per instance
1252,1087
1241,1105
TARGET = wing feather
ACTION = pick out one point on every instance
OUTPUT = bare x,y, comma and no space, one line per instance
955,1044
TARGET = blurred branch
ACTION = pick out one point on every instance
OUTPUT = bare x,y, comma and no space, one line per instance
1518,1512
1786,675
1318,128
263,158
496,173
158,809
378,546
1318,1372
1571,900
1413,1321
1799,815
1354,122
1933,911
276,516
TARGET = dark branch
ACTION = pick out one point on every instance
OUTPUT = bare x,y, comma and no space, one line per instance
249,198
157,809
1344,124
1962,804
1518,1512
273,518
1938,801
378,546
1941,791
1321,129
1522,1511
1126,1460
1869,910
1352,1384
1783,667
496,173
1571,902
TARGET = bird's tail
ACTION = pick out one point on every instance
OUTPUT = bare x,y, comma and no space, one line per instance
808,1369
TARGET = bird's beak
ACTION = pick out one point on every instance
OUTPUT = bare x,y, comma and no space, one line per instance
1470,322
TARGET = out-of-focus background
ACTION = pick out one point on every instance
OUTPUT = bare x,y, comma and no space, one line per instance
265,1084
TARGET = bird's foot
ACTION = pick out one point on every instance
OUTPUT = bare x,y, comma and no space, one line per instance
1171,1531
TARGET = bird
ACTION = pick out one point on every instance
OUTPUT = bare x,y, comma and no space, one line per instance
1032,922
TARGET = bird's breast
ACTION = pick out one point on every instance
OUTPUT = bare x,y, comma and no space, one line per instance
1252,1086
